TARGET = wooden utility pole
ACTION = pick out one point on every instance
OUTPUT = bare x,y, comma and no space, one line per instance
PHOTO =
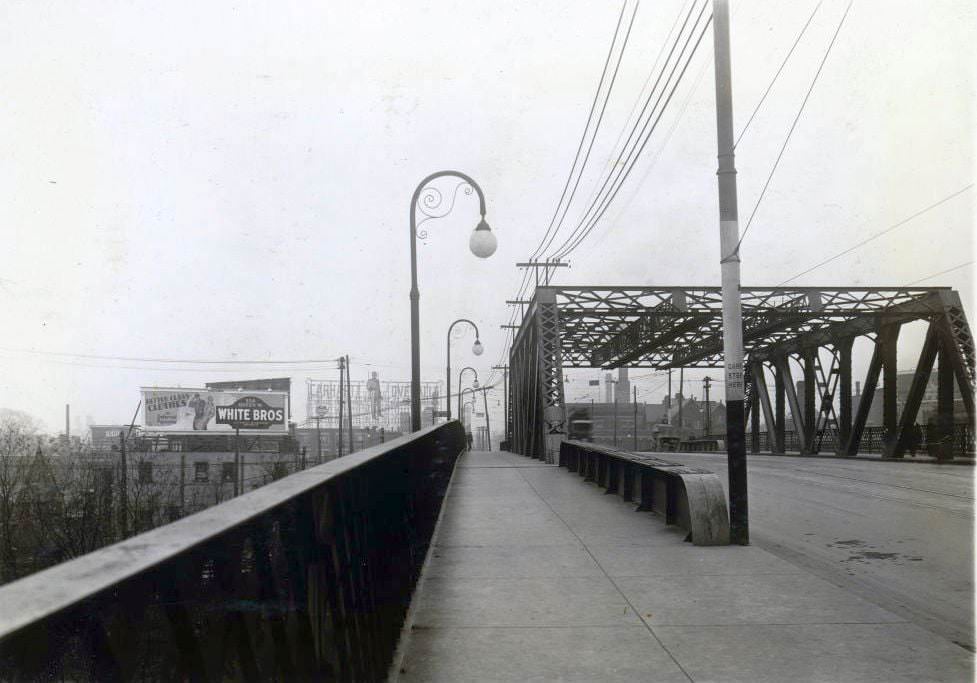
729,243
349,404
488,433
668,399
635,401
706,382
681,395
123,488
339,440
615,414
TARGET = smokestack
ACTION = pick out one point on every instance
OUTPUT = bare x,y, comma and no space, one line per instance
623,387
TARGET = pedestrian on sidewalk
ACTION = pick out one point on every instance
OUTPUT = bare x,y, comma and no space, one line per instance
468,438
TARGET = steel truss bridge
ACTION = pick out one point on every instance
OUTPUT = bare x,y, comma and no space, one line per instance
675,327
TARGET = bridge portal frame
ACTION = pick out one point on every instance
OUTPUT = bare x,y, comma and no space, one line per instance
813,328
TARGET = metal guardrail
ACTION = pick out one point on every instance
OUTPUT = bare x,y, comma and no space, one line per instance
960,443
691,498
309,577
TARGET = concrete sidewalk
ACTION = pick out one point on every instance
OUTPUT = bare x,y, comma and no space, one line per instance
536,575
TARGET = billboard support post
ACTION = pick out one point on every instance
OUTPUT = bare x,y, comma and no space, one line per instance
237,463
318,440
183,483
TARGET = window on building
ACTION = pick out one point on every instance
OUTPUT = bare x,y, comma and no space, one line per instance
201,471
145,472
227,471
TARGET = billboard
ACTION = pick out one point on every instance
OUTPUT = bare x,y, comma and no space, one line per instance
193,411
275,384
376,402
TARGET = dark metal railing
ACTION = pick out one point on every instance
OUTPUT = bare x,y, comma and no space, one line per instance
309,577
688,497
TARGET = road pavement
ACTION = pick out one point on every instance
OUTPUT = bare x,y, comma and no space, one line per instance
899,534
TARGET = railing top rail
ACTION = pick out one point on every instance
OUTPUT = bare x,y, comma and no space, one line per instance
658,463
49,591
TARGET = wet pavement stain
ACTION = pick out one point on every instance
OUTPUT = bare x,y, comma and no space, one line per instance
863,556
851,543
871,555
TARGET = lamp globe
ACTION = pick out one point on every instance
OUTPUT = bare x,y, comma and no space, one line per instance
482,242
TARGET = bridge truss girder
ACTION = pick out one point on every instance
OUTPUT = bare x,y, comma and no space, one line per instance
536,386
671,327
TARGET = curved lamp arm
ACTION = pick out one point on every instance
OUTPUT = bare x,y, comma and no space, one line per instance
448,363
467,367
461,393
462,320
432,199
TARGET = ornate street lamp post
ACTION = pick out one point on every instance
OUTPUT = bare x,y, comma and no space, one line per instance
461,414
476,349
482,243
460,390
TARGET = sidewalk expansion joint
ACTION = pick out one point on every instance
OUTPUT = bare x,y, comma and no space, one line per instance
612,581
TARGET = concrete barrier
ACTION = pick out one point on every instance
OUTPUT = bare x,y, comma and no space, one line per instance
688,497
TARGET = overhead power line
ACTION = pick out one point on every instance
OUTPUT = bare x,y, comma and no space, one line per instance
588,225
776,75
583,135
878,234
185,361
636,145
790,132
942,272
658,153
593,138
614,173
641,95
627,124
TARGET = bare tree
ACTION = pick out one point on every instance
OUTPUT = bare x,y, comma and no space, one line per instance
18,438
71,503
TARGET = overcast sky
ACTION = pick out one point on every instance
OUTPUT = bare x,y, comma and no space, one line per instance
231,180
